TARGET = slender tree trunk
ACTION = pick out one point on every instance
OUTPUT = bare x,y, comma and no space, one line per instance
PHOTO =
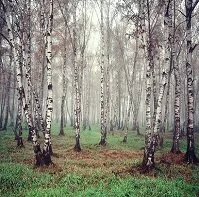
8,95
47,150
36,145
176,132
159,107
148,159
12,108
103,119
76,81
19,123
190,156
64,87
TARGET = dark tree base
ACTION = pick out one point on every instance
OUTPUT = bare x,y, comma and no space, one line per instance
16,137
20,142
38,156
125,139
77,148
89,128
190,158
47,158
29,138
147,168
61,133
138,131
84,127
39,159
175,150
102,142
50,149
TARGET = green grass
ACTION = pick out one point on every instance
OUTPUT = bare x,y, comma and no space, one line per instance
90,172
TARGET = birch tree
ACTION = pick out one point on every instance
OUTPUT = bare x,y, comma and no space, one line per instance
190,156
152,136
64,84
76,83
47,149
21,92
102,99
148,160
176,132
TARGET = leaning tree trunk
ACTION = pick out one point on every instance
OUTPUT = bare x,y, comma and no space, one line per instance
47,150
190,156
36,145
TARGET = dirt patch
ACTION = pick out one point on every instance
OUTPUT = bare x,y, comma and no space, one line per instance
172,158
70,153
121,155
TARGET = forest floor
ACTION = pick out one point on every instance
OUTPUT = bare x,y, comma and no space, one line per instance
95,171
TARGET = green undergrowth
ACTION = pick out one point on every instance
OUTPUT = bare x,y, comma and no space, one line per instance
90,172
20,180
15,179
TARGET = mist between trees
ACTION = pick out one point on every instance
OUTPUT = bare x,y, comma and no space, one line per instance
121,65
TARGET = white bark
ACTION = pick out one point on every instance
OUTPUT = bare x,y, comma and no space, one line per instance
102,99
47,143
36,145
190,156
76,83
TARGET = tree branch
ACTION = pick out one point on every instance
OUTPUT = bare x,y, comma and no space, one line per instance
181,12
195,4
6,39
192,48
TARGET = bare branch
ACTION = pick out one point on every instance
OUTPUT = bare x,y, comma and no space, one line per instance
66,22
181,12
195,4
6,39
192,48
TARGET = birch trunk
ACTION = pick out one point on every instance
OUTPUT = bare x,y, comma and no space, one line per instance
47,149
63,103
159,108
190,156
148,159
19,123
8,94
36,145
102,100
176,133
167,52
28,75
76,83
